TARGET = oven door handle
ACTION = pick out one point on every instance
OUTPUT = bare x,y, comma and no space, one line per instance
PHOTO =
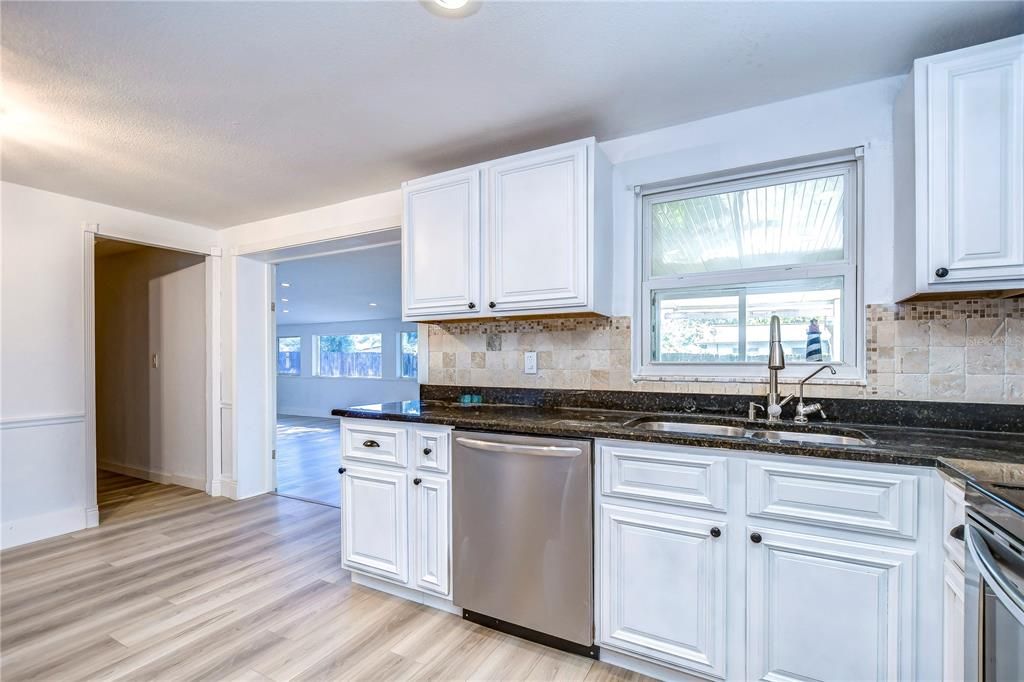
1007,592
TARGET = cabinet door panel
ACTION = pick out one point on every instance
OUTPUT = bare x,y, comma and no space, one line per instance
431,503
374,529
537,233
441,246
976,165
822,609
663,588
952,623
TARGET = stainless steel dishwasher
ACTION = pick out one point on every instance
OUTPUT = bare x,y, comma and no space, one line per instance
523,538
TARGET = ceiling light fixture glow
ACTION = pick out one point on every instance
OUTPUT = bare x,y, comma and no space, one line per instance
373,305
284,300
452,4
285,311
286,284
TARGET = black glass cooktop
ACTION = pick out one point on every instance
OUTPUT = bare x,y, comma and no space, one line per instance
1000,503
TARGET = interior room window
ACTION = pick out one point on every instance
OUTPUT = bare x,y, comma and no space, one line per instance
720,258
408,355
289,356
350,355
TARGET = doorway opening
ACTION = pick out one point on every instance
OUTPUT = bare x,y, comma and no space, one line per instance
150,350
339,341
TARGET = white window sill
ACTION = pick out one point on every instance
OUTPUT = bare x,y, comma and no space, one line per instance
751,379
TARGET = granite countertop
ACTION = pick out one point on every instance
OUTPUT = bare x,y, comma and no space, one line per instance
968,454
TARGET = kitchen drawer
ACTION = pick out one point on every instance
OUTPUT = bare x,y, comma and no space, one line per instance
431,449
376,443
953,516
834,496
670,475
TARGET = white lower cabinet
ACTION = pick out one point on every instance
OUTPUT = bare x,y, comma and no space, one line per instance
396,514
430,533
953,623
802,569
825,609
662,590
374,528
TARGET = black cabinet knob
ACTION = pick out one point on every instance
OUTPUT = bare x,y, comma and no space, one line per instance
941,272
716,532
755,538
472,306
341,470
417,481
427,451
492,304
957,532
371,444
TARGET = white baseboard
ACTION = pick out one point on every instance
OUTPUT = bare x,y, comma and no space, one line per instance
43,526
648,668
435,601
92,517
196,482
229,488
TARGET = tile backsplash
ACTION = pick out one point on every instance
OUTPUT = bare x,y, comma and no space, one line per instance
961,351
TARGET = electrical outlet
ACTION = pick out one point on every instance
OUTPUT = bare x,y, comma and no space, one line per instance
530,362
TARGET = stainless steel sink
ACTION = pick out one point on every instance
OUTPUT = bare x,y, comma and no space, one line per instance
687,427
801,437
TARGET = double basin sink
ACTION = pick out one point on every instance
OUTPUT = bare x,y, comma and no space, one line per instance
851,437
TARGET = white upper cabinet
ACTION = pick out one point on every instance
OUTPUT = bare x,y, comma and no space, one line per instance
535,240
441,245
959,127
537,230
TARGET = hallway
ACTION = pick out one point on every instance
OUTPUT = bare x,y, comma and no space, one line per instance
308,458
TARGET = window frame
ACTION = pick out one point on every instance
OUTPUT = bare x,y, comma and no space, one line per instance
315,365
849,267
277,363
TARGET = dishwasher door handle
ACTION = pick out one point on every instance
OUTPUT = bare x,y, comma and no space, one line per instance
512,448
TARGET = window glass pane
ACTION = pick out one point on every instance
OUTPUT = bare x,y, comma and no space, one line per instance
704,325
289,357
353,355
408,356
784,224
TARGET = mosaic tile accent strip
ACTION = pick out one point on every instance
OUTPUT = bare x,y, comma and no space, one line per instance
970,350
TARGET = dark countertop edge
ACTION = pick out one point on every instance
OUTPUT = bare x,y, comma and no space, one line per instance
866,454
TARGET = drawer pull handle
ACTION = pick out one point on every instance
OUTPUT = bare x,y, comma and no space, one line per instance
716,532
427,451
755,538
341,470
472,306
941,272
957,532
417,481
371,444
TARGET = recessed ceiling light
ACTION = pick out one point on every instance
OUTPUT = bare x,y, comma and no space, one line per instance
284,300
452,4
285,311
286,284
373,305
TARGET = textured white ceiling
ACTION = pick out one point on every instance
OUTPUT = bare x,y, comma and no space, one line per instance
223,113
340,287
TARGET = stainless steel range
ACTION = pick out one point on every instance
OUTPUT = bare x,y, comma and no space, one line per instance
994,589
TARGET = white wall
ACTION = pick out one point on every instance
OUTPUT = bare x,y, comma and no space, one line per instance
47,480
312,396
859,115
151,421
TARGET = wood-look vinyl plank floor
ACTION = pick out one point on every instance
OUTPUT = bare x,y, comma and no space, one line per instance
176,585
308,454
